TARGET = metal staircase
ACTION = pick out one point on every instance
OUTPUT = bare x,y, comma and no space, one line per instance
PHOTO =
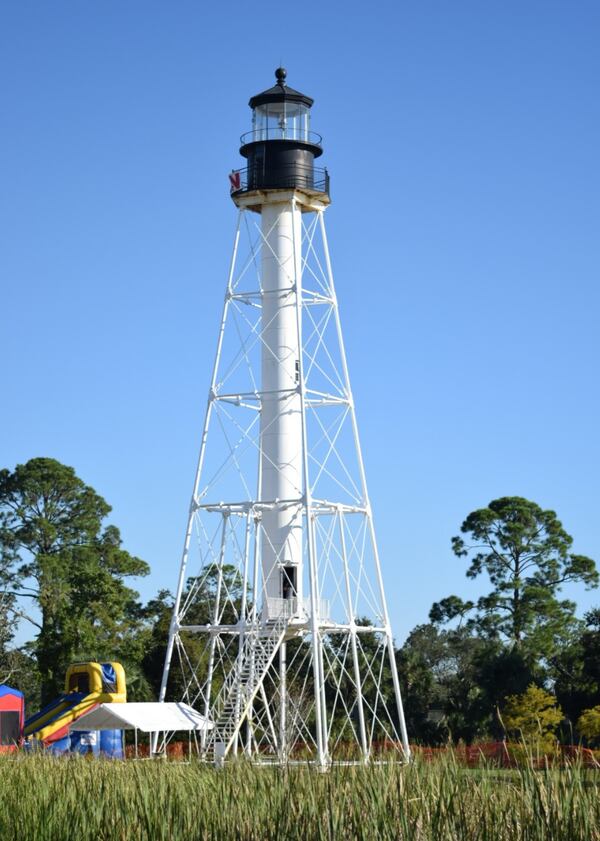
241,686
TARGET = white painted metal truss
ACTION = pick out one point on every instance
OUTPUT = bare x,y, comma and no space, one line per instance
312,675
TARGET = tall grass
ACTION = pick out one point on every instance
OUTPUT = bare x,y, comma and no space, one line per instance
46,799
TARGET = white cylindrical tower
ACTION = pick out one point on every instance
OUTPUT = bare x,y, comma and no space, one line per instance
281,411
280,151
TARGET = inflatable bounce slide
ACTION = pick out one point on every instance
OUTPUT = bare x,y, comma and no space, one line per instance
86,686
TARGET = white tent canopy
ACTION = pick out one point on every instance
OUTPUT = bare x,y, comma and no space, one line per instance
147,717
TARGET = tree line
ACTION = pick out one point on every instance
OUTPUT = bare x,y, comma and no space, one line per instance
64,571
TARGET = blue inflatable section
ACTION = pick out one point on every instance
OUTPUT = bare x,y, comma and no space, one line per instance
95,742
109,678
111,743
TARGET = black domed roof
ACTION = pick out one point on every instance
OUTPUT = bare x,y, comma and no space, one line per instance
280,93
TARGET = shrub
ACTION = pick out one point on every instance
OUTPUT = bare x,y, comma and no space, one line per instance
533,717
588,725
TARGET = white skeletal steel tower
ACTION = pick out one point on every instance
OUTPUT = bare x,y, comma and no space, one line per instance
280,630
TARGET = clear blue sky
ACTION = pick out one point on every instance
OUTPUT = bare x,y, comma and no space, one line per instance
463,141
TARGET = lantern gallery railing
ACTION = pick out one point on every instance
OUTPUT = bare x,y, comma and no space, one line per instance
284,177
296,133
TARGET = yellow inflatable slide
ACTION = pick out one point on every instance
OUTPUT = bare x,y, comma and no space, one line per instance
86,686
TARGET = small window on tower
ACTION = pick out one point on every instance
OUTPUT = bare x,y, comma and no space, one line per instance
297,370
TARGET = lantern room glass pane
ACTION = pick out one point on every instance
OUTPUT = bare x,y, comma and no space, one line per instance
281,121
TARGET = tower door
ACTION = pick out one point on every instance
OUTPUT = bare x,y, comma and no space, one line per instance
288,582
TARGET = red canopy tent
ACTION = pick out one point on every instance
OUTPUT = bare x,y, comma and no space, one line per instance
12,718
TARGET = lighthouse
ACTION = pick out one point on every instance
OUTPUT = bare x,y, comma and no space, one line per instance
280,631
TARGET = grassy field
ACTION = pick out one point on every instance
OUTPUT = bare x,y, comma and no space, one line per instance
44,799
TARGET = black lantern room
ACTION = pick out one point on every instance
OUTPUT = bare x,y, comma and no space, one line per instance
281,148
